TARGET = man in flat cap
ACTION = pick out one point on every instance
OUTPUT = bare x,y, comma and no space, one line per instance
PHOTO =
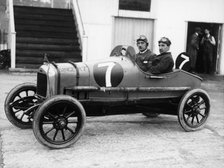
193,48
163,62
144,55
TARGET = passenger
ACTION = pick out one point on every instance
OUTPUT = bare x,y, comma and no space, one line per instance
163,62
143,57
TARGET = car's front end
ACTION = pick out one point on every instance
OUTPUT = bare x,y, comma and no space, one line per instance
53,79
47,77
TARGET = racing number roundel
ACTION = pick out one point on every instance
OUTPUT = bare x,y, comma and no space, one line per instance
183,61
108,74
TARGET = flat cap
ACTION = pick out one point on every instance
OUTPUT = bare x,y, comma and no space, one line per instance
198,29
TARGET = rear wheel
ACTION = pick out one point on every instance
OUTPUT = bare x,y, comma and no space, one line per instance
193,110
20,104
59,122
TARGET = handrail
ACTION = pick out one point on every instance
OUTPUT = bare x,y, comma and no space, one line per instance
12,34
80,17
81,30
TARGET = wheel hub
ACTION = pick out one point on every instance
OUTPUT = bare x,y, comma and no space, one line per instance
196,110
60,123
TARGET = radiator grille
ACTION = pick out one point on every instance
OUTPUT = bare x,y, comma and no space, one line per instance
41,84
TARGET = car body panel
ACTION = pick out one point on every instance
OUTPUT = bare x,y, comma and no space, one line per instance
118,78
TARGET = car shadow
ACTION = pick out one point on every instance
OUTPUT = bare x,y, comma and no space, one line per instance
118,124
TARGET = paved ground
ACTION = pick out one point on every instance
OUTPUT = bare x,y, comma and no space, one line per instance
122,141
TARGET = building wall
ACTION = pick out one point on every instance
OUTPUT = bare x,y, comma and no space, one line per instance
97,16
173,16
170,19
170,16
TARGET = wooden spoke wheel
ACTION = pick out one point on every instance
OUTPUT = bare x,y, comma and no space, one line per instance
20,104
193,110
59,121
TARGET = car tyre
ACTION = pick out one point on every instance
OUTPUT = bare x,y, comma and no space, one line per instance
193,110
18,100
59,121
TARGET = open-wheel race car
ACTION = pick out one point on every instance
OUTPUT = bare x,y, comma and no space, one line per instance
56,107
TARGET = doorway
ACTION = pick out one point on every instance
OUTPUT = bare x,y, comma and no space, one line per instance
215,30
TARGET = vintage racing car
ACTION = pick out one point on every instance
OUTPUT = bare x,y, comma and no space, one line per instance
56,107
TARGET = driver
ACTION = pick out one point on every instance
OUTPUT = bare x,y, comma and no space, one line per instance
143,57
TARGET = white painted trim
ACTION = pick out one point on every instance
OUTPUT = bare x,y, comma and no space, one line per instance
12,34
83,37
221,58
154,46
135,14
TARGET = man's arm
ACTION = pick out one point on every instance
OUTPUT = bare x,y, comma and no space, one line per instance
212,41
164,65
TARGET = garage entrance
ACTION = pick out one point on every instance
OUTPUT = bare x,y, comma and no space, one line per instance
215,30
127,30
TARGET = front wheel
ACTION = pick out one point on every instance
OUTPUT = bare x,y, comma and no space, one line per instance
59,121
193,110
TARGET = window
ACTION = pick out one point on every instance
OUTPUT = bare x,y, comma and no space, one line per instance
136,5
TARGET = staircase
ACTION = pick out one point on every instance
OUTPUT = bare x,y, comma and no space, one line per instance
41,31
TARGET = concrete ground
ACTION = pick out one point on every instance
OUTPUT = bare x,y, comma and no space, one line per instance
120,141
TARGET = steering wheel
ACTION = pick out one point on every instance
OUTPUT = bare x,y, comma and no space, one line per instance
123,51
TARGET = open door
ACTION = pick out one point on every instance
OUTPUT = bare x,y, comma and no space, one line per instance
215,30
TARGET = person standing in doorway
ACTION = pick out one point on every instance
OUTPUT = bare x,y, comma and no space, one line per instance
193,48
208,43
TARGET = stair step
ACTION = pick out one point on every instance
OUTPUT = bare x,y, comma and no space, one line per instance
37,64
59,41
44,17
37,53
50,47
41,10
40,60
46,34
26,61
45,29
34,67
54,23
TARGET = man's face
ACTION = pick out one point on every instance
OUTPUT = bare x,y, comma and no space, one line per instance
141,46
163,48
206,31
